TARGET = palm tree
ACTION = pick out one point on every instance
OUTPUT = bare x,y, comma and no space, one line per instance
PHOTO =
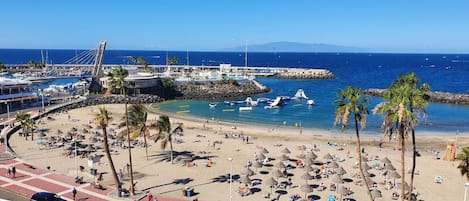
143,62
350,101
31,126
164,133
464,165
133,59
404,100
23,119
172,60
102,119
137,120
117,80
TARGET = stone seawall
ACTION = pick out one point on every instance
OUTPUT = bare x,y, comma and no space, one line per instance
439,97
219,91
302,73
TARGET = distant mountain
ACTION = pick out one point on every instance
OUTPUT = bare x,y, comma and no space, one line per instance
295,47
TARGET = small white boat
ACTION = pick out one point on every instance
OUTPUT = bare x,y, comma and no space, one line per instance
245,109
310,102
271,107
212,105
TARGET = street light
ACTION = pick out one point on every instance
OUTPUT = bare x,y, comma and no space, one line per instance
42,96
231,176
8,110
465,190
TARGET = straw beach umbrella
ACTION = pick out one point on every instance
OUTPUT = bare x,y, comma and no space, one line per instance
286,151
376,193
312,156
341,171
280,164
264,151
248,172
389,167
306,176
257,164
306,189
385,160
277,173
272,183
342,191
284,157
246,180
393,174
333,164
337,179
328,156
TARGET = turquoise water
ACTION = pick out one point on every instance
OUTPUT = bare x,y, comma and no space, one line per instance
441,117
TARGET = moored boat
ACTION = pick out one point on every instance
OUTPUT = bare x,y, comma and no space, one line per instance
245,108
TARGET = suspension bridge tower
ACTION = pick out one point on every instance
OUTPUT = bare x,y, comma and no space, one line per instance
98,72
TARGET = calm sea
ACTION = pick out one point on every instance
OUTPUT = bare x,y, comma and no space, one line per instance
444,72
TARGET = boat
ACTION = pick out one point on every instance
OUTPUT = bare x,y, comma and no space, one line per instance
227,102
245,108
183,111
271,107
228,110
310,102
212,105
300,94
253,103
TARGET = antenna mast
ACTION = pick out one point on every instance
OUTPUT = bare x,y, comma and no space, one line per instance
246,54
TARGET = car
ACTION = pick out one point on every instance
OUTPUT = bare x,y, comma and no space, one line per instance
46,196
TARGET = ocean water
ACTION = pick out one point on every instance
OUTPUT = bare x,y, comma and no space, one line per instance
444,72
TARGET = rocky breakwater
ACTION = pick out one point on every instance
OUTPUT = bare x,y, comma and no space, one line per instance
304,73
437,96
217,90
114,99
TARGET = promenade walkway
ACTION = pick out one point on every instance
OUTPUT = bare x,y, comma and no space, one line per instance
29,180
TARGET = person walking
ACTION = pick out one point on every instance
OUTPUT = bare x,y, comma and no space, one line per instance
9,171
150,197
74,193
13,171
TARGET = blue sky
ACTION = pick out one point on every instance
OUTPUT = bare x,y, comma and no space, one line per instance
396,26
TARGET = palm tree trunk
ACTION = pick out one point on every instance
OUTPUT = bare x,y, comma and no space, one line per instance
145,141
131,188
32,134
111,164
402,141
360,157
171,146
414,160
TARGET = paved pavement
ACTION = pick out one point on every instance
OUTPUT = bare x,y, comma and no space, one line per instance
29,180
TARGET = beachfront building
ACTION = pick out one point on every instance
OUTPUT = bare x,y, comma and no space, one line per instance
16,93
138,82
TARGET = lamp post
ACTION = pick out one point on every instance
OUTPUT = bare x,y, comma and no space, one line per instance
42,97
231,176
465,190
8,109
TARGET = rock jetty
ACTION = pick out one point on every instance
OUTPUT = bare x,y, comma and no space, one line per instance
216,90
114,99
303,73
437,96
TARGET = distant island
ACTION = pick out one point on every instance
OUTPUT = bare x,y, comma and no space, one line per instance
285,46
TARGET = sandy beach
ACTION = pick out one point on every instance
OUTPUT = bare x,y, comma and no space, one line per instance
205,140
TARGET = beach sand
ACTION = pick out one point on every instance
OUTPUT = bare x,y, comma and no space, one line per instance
159,176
